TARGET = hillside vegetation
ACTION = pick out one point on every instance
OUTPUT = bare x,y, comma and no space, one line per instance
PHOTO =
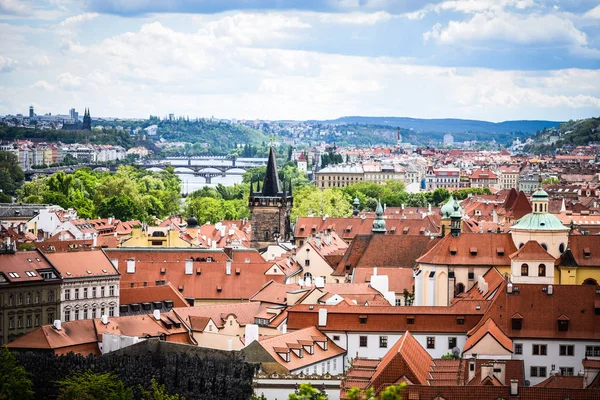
572,133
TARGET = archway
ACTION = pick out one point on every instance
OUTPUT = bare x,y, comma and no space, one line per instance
590,281
460,288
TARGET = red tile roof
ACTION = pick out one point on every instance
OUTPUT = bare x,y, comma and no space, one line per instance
563,382
152,292
398,278
491,249
244,312
79,264
532,250
74,333
489,327
22,266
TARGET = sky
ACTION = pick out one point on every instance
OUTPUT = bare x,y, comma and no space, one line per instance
492,60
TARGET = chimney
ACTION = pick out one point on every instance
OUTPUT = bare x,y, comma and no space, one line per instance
322,317
509,288
228,267
110,220
471,368
229,344
319,282
499,371
514,387
550,290
104,319
157,315
57,324
95,240
251,333
283,329
374,271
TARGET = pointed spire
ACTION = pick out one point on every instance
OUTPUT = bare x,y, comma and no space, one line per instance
271,186
379,223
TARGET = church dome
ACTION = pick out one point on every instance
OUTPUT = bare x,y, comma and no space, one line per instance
192,222
448,209
539,222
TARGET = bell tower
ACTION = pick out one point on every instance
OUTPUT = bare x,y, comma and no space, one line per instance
270,207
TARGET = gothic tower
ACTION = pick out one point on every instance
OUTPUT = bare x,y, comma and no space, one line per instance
87,120
270,208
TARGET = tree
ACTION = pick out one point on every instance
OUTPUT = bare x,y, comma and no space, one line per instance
11,174
307,392
205,209
158,392
311,201
393,392
551,181
121,207
14,380
88,385
357,394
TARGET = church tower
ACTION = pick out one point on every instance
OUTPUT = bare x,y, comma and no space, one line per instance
87,120
270,208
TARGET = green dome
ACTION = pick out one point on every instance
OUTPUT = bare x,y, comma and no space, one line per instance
448,209
379,223
539,194
539,222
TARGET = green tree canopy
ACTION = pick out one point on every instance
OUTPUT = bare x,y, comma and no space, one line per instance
11,174
158,392
311,201
14,380
88,385
307,392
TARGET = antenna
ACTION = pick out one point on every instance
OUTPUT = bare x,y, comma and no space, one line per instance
456,352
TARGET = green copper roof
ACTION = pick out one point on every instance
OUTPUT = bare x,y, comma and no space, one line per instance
539,194
379,223
448,209
539,222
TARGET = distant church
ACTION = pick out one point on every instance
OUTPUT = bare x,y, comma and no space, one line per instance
270,207
77,125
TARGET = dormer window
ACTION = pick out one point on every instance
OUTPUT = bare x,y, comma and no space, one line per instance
453,251
586,252
362,319
473,251
410,320
563,323
500,251
517,322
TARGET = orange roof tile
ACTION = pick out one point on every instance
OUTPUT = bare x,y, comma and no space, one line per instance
532,250
80,264
489,327
150,293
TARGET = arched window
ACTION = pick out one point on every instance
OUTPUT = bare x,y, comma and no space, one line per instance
542,270
460,288
524,270
521,245
307,275
561,248
545,246
535,207
590,281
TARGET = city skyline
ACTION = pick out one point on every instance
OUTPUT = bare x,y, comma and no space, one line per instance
486,60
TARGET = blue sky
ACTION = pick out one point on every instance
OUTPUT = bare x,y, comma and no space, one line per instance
302,59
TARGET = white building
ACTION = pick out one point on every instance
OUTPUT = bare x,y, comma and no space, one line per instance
90,284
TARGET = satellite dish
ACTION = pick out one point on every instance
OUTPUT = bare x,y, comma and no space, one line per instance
456,352
527,383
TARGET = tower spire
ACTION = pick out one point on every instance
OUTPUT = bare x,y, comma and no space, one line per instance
271,185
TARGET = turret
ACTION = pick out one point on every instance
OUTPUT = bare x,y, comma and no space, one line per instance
356,206
379,223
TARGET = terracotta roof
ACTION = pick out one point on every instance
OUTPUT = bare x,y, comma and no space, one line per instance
585,250
301,340
406,357
22,266
592,364
143,326
344,317
492,249
152,292
383,251
244,312
563,382
483,174
79,264
398,278
493,393
532,250
74,333
492,277
489,327
541,311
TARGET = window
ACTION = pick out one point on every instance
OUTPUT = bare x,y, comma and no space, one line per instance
11,322
307,263
50,317
37,296
67,316
592,351
398,301
20,321
336,337
563,325
28,298
517,324
430,342
102,311
537,372
363,341
51,296
328,365
542,270
76,294
94,291
85,293
518,348
76,317
334,364
111,291
539,350
111,311
362,319
36,320
85,314
20,299
451,342
93,313
67,294
383,341
567,350
10,299
524,270
567,371
29,321
410,320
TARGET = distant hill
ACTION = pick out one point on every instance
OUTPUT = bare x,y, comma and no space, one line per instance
574,133
448,125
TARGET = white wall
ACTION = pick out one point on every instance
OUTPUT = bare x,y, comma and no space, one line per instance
280,389
552,356
97,302
332,366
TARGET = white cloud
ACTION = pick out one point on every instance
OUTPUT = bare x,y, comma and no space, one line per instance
512,28
12,7
355,18
68,81
7,63
43,85
594,12
78,19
